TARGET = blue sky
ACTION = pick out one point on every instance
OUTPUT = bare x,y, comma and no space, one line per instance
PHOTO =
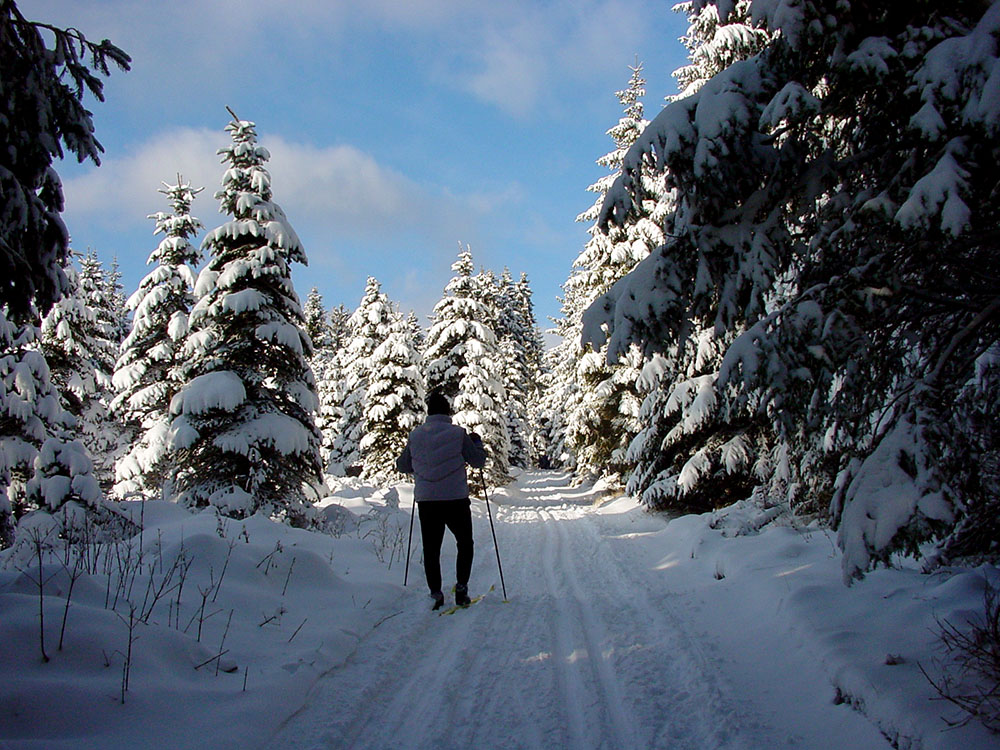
397,129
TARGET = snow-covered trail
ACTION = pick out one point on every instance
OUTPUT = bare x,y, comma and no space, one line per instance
591,651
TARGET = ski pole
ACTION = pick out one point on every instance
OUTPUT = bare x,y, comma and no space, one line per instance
409,541
482,478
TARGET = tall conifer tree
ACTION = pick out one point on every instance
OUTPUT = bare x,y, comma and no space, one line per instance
41,111
146,374
368,327
243,425
834,204
598,417
394,400
459,317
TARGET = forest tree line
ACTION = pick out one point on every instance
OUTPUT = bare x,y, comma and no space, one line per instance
789,296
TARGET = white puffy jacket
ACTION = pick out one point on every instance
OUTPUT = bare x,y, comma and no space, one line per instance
436,455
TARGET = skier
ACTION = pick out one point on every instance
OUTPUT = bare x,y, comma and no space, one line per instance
436,454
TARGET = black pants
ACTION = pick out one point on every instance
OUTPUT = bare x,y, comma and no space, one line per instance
435,515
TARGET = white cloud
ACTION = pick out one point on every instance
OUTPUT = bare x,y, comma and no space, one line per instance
355,216
508,66
123,190
505,54
342,185
516,52
339,186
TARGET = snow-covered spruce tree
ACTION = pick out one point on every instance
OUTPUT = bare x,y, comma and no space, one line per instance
458,317
330,392
339,318
479,406
488,291
462,361
416,331
602,415
520,356
846,160
243,429
119,324
534,351
325,363
41,112
33,413
394,401
70,344
714,44
560,394
146,375
317,322
329,330
97,289
692,452
76,352
368,327
104,435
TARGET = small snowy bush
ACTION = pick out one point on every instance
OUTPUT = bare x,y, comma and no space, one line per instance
971,673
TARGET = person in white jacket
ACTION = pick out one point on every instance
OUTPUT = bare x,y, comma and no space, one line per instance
436,454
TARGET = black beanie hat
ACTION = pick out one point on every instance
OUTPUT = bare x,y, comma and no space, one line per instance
437,403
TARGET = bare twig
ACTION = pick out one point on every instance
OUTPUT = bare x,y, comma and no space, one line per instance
297,630
211,659
232,543
223,641
288,577
78,569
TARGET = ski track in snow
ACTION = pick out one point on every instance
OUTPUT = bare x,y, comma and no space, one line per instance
588,653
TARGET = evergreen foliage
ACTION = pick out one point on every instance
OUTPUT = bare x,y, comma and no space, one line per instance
146,373
339,319
103,434
690,453
460,316
317,322
600,401
329,331
416,331
243,423
330,392
463,360
479,406
119,325
41,111
714,44
53,388
835,216
33,413
368,327
71,347
520,351
394,400
80,355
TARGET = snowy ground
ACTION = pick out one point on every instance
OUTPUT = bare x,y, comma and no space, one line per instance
621,630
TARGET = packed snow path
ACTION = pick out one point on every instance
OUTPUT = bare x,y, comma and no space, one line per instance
591,651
